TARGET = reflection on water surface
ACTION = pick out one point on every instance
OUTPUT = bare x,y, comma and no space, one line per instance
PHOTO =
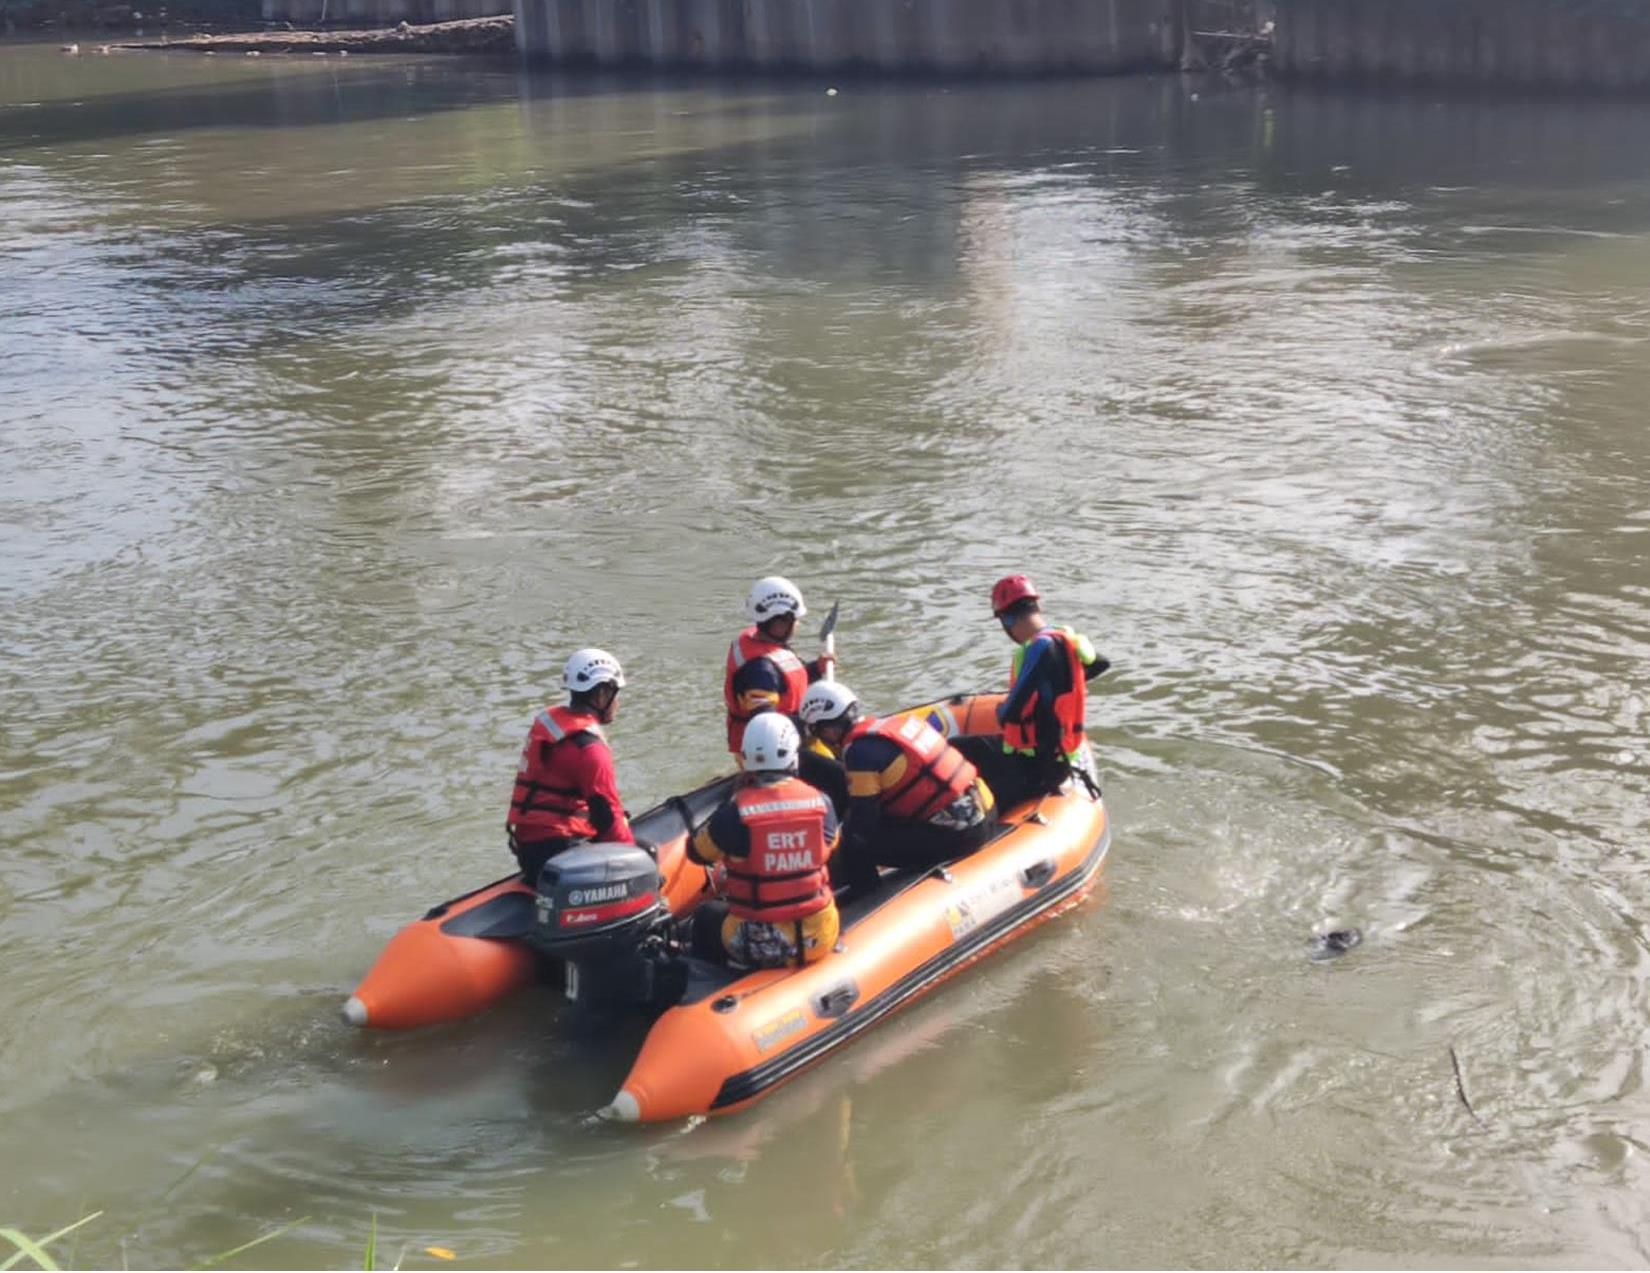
341,398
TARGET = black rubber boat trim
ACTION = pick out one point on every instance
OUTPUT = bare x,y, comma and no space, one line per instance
440,909
507,917
752,1082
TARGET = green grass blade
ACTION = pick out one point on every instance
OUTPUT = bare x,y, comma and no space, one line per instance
190,1171
74,1247
372,1245
221,1256
44,1242
27,1246
68,1229
142,1217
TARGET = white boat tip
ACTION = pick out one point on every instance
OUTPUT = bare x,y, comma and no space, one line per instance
355,1012
623,1109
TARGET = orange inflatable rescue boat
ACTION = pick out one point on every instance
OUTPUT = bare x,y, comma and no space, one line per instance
618,923
466,954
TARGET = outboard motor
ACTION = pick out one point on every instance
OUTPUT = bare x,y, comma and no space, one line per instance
600,909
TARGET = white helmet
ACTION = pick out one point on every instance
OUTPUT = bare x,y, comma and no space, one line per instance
589,668
771,597
771,744
827,701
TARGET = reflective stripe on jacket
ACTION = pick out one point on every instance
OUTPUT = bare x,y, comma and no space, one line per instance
936,775
547,801
784,876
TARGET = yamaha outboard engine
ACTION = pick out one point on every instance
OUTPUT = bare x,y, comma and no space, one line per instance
601,910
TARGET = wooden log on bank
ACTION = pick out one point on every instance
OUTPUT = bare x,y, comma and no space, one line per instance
467,35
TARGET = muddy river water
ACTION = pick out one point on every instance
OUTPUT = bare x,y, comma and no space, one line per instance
341,398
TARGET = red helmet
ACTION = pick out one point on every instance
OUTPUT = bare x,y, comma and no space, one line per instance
1005,592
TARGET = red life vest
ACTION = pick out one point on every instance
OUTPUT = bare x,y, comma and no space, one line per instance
546,803
1070,708
936,775
753,644
784,877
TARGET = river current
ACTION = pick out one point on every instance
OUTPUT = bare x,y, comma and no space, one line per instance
340,398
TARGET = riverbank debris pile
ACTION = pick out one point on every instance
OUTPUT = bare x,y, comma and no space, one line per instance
466,35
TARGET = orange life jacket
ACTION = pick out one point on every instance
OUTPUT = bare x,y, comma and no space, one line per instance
936,775
546,803
1070,708
752,644
784,877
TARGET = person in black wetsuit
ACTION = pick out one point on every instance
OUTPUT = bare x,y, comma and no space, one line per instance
1044,717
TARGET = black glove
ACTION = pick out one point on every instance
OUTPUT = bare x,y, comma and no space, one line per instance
1052,771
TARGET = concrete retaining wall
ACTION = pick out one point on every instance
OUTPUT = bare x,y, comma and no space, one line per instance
1550,44
369,13
956,36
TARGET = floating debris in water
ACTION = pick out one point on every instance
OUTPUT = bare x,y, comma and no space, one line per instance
441,1253
1461,1088
1332,945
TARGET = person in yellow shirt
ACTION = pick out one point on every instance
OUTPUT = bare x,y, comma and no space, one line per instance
914,800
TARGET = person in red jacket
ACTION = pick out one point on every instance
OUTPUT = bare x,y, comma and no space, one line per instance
566,791
774,838
763,674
